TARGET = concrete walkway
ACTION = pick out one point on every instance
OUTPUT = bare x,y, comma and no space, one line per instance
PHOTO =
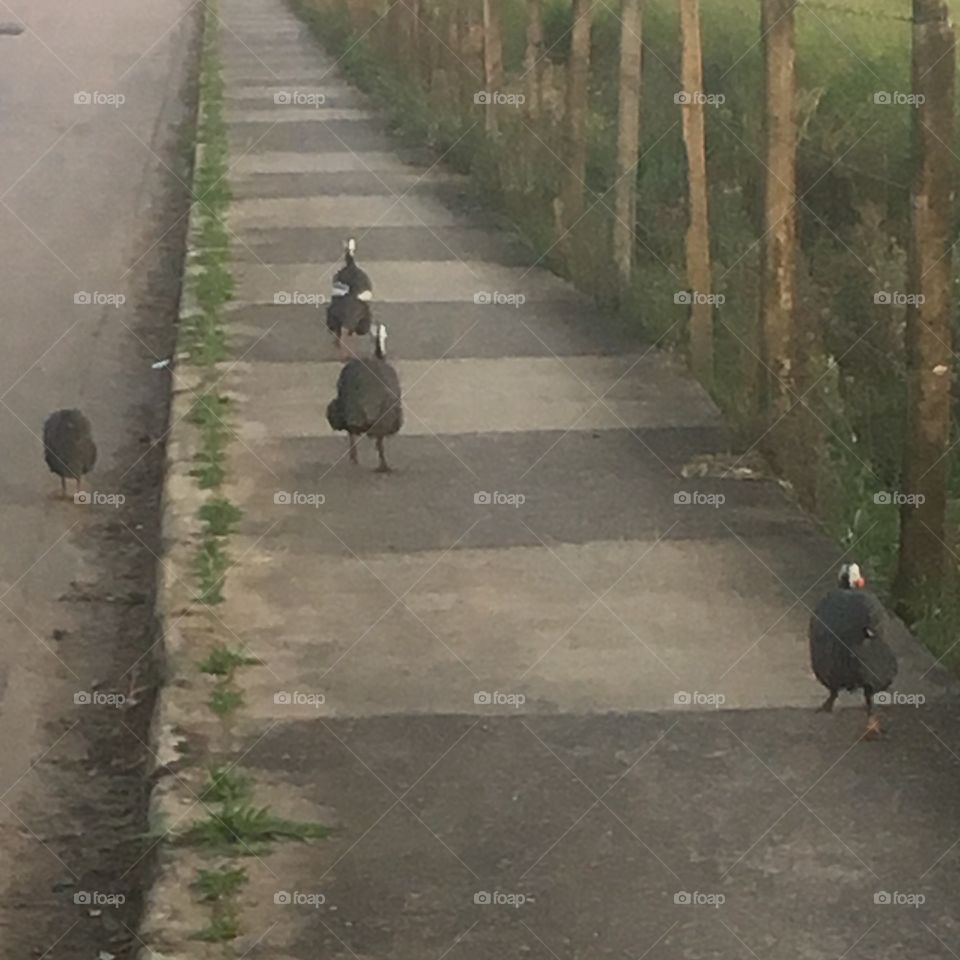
522,636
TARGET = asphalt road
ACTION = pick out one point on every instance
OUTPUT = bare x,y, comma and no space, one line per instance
91,96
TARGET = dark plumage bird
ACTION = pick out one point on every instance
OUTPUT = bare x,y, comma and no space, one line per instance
368,400
847,646
68,446
349,310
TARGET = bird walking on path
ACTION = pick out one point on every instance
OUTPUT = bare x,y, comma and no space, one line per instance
68,447
349,309
848,650
368,400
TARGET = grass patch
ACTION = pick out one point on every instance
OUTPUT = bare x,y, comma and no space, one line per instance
240,826
224,926
220,516
226,785
214,885
210,565
225,700
222,661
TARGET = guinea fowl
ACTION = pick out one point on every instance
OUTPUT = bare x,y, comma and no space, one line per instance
349,310
368,400
68,446
847,646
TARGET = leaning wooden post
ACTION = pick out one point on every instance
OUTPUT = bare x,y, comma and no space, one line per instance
699,277
928,337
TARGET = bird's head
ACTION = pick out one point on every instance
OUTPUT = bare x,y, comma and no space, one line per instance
351,249
851,578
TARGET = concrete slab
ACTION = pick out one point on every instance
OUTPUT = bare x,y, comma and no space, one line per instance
283,112
600,824
351,212
279,162
353,136
481,395
430,331
462,281
587,628
448,189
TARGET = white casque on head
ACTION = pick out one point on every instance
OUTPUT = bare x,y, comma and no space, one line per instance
381,337
853,574
351,246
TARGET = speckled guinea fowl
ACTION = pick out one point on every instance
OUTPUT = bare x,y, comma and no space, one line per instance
68,446
368,400
349,309
848,650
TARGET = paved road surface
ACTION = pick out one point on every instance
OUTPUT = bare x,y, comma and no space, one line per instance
519,744
82,191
